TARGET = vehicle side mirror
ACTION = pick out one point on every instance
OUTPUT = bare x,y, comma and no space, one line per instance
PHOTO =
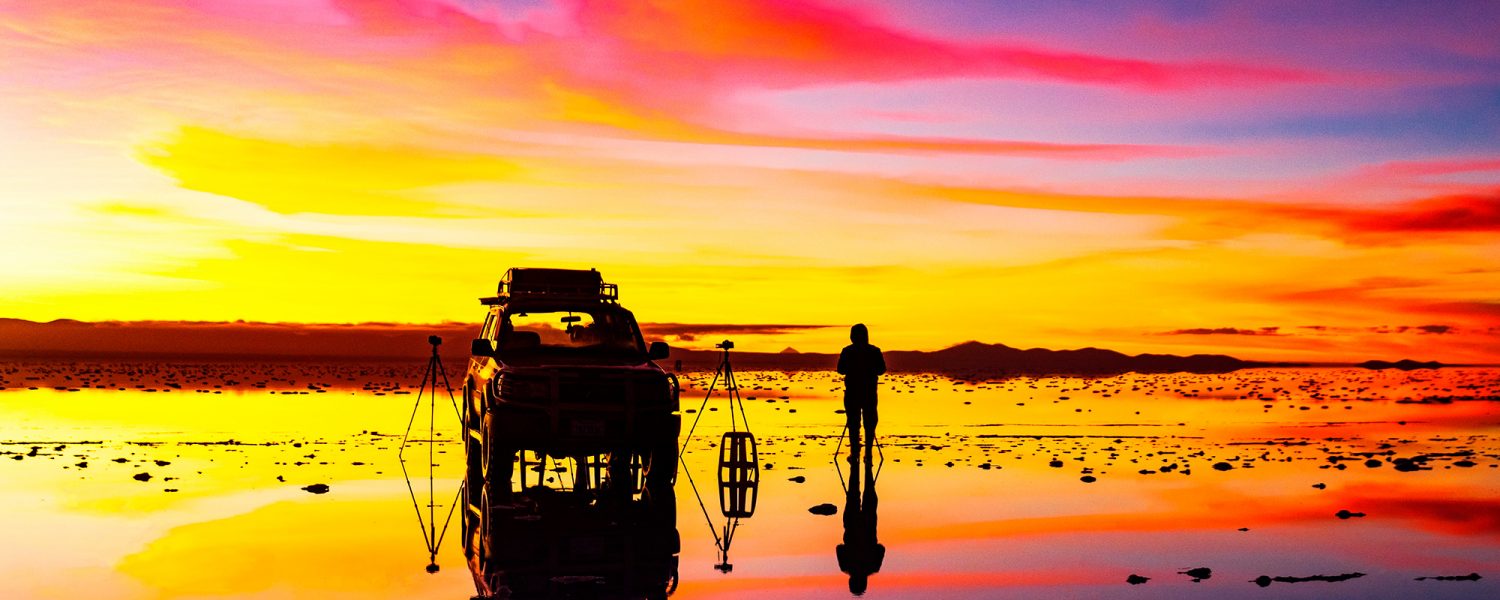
482,347
658,351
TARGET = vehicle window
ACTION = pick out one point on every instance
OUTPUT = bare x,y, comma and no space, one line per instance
488,331
567,330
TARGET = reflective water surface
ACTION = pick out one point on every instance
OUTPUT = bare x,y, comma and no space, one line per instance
1026,487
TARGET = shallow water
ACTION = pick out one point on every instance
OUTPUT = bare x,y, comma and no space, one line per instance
999,521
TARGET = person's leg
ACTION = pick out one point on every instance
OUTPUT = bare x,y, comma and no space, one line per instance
871,417
870,439
852,414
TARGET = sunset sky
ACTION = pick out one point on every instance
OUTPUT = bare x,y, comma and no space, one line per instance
1279,180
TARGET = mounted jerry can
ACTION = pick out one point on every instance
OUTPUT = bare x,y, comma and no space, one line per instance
739,474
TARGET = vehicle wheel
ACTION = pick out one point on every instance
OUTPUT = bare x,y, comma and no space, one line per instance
473,450
467,393
474,403
472,523
499,460
661,466
484,526
474,470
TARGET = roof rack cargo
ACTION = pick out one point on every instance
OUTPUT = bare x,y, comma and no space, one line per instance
553,284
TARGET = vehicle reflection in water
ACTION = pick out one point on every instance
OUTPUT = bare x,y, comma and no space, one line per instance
861,554
578,527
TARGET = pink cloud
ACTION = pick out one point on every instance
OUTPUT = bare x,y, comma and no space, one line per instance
778,44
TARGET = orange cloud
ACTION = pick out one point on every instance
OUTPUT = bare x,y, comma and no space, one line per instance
1464,213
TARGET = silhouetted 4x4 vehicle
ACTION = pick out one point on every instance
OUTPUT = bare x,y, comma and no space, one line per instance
561,369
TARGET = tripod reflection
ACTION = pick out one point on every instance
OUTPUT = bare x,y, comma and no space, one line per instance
739,466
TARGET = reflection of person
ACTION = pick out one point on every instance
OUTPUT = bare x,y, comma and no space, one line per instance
861,365
861,554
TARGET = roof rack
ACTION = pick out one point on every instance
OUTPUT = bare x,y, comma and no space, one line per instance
569,285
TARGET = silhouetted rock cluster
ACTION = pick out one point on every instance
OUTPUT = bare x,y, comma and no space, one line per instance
1266,580
1404,365
1469,577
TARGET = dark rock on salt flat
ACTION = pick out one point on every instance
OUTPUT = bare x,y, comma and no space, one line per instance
1134,579
1222,466
797,479
1198,574
1469,577
1266,580
1088,479
142,477
317,488
1345,514
1408,465
824,510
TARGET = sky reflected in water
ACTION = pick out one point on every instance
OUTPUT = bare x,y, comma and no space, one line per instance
981,489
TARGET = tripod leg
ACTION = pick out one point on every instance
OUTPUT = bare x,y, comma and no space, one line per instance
400,454
730,387
689,437
438,364
734,394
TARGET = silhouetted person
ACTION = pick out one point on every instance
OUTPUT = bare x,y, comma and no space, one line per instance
861,554
861,365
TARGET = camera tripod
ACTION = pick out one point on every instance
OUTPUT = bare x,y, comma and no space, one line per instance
429,388
739,463
724,373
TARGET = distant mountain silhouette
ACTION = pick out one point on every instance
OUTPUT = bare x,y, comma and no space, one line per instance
976,357
1404,364
68,339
